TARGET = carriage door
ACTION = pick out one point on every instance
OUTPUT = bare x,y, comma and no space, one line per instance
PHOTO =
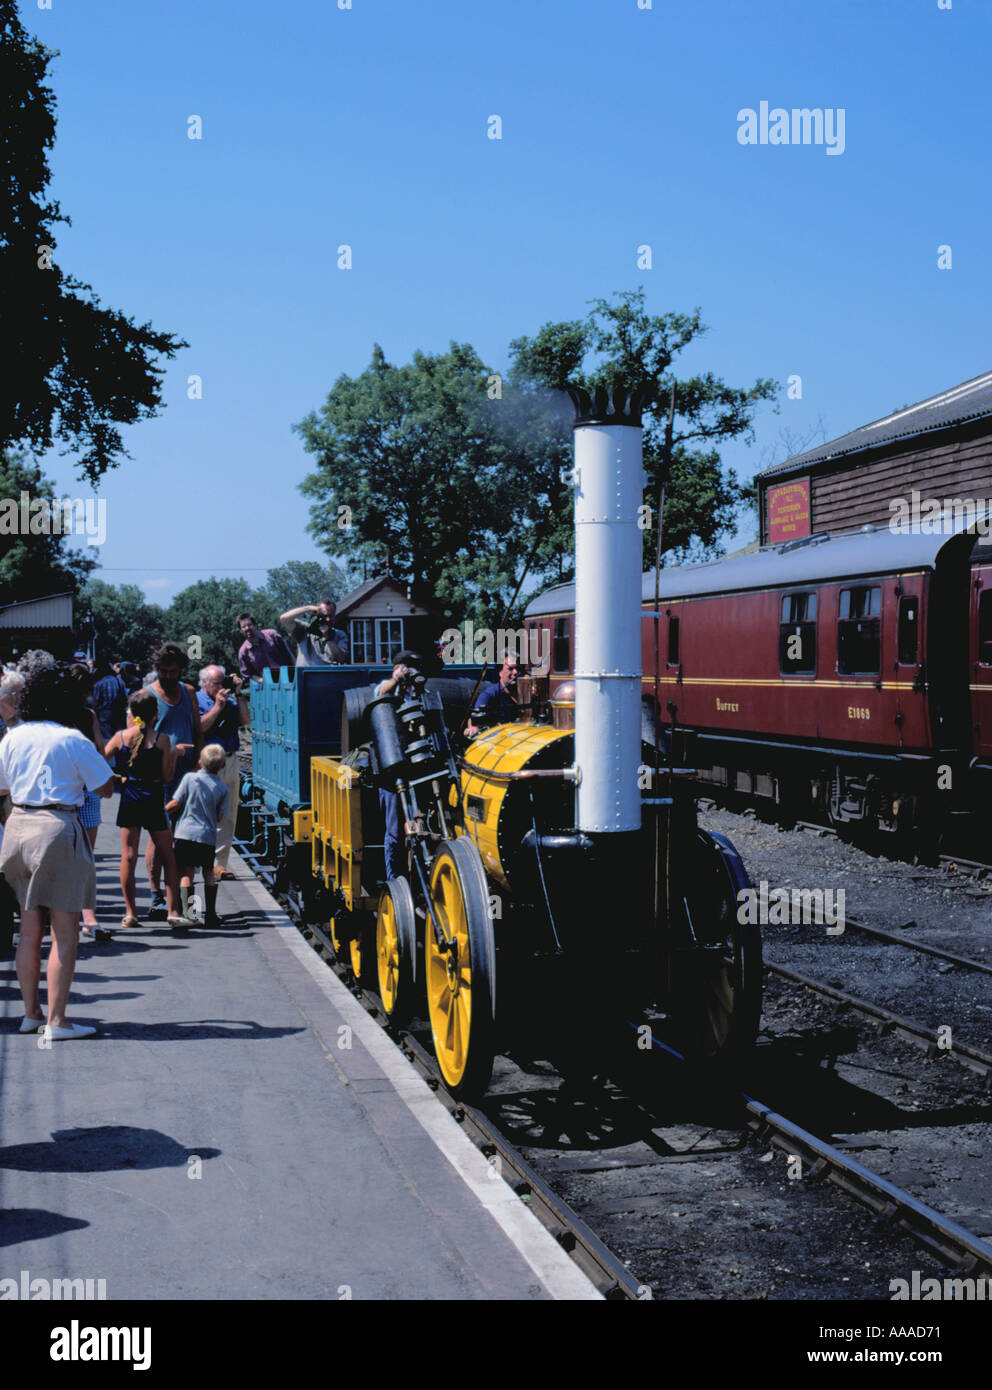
981,660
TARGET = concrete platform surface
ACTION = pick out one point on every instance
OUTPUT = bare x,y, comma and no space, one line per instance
241,1129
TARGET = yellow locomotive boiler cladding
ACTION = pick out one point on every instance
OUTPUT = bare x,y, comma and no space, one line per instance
500,791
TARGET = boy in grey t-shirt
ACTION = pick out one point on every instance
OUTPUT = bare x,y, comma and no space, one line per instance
202,798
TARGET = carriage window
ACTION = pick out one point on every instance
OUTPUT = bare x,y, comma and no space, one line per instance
673,641
985,628
561,655
909,626
859,631
797,635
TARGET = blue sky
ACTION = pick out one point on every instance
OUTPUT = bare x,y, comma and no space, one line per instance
368,126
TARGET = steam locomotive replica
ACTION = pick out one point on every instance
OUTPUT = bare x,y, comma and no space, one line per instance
570,851
846,675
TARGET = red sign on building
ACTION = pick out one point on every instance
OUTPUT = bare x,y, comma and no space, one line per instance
788,511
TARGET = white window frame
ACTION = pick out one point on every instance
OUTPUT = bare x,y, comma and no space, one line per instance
384,644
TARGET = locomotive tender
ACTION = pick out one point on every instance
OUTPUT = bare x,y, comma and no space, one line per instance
527,848
850,674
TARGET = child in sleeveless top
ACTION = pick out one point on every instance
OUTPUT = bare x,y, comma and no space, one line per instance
143,760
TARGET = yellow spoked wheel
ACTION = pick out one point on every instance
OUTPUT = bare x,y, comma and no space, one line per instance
396,949
461,993
337,941
358,953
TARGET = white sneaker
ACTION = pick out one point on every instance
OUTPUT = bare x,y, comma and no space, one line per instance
74,1030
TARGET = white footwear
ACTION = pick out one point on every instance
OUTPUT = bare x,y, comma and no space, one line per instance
74,1030
31,1025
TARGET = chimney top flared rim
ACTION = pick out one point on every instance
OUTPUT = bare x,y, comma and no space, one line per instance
620,406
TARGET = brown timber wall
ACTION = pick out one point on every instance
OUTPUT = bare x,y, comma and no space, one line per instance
852,492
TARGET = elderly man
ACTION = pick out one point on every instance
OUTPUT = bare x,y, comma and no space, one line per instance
319,642
222,714
262,647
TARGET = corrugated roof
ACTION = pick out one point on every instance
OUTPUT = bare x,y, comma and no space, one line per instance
53,610
970,401
858,554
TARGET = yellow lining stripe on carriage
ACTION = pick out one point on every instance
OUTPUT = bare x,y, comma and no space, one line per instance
795,682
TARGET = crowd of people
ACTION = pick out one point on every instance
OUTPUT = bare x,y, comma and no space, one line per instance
72,736
74,733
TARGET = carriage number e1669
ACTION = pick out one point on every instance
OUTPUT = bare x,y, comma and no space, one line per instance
858,712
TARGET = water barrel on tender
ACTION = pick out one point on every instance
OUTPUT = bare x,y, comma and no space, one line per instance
455,693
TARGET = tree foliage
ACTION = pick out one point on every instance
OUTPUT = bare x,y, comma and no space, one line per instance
127,627
460,475
73,371
301,581
32,566
408,463
202,618
621,344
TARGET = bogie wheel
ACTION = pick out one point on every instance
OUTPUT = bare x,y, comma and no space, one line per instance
461,997
716,991
396,949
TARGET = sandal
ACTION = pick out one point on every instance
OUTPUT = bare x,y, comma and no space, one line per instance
130,922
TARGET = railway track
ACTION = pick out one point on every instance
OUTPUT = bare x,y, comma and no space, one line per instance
894,1210
918,1033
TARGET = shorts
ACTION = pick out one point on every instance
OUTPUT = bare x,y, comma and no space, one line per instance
193,854
48,861
89,812
147,814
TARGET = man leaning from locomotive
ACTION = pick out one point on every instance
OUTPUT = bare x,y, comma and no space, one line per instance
497,703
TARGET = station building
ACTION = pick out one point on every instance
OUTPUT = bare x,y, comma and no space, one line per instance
940,448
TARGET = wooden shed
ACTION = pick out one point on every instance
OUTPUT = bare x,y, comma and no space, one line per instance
940,448
37,622
380,618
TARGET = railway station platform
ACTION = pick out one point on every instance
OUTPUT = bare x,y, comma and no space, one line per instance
240,1128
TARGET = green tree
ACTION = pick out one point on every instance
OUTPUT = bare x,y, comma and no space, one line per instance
73,371
621,344
408,463
301,581
203,620
34,565
127,628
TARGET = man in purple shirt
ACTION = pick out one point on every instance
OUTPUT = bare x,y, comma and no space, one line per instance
261,647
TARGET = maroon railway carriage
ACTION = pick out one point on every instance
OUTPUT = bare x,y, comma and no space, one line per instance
851,673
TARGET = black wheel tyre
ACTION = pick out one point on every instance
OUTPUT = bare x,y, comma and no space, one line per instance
716,995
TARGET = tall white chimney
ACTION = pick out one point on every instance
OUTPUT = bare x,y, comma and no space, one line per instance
609,486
